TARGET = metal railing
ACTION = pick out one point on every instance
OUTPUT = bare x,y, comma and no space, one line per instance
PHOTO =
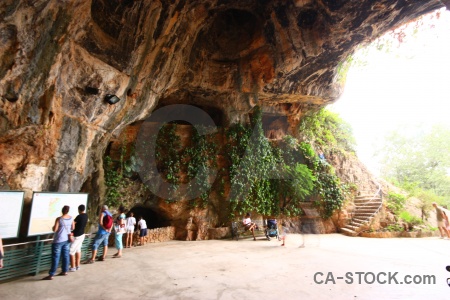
32,258
377,194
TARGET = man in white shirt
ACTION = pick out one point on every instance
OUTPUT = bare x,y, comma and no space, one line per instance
143,230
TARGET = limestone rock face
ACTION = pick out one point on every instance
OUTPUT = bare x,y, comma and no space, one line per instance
351,170
60,58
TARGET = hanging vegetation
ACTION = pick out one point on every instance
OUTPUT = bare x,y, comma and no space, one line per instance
269,178
327,187
199,159
261,179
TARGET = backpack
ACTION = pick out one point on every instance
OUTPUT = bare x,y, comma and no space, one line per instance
107,221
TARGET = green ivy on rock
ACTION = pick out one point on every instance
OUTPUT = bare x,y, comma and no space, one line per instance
261,181
199,160
168,157
327,186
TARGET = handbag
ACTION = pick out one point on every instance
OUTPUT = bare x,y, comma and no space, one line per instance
120,227
70,236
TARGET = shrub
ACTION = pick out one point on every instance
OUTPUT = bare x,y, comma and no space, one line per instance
411,220
396,202
394,228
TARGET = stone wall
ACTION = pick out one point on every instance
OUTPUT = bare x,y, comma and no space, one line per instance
161,234
155,235
387,234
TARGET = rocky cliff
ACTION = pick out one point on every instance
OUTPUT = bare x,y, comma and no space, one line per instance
59,59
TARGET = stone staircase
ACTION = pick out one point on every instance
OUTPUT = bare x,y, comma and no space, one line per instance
366,207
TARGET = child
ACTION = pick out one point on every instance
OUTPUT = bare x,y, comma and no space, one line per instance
143,230
284,232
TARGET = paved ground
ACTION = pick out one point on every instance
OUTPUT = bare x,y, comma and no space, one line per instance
250,269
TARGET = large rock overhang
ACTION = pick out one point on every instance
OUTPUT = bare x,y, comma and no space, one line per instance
58,60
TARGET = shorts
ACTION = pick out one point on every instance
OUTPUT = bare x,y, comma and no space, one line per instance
100,239
75,247
441,224
143,232
130,229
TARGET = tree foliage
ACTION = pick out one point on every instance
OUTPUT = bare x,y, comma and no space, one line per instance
419,160
327,130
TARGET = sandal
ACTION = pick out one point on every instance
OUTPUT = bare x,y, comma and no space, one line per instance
101,258
118,256
62,274
91,261
49,277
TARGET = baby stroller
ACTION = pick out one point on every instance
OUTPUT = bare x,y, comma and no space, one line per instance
271,229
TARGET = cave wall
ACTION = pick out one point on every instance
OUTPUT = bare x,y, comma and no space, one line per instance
58,60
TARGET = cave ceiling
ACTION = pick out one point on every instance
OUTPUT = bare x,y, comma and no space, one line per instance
58,60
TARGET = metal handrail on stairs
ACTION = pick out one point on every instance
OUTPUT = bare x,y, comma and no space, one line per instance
377,193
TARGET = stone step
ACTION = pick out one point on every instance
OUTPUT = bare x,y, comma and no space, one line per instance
348,232
368,204
362,209
368,200
359,224
371,205
365,195
360,220
362,215
365,210
352,227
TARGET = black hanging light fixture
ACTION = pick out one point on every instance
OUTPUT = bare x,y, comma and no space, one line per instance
111,99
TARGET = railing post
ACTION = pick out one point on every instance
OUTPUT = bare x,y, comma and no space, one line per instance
38,251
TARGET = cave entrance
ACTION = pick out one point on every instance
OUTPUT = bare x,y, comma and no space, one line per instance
152,218
275,127
178,114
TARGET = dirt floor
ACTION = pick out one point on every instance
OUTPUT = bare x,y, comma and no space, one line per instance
247,269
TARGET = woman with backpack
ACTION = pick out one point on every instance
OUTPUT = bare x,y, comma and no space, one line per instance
105,223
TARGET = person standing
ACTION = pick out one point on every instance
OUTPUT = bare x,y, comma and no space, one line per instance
119,229
130,223
2,253
143,230
321,155
440,221
104,230
60,246
78,233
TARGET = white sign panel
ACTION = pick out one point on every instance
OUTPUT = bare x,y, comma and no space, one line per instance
47,207
11,203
